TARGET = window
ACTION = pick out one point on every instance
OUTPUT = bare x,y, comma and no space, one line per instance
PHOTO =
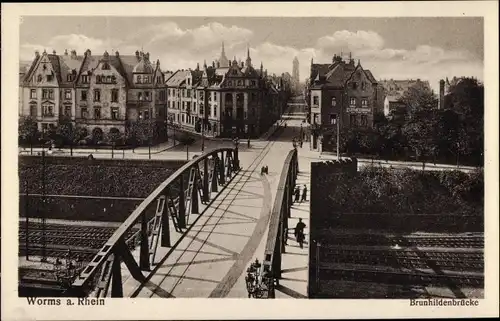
147,97
139,79
315,119
97,95
334,101
253,83
33,111
253,97
364,102
70,78
188,92
333,119
114,95
139,96
215,112
352,120
84,112
364,120
162,95
33,93
146,79
83,95
48,110
98,79
45,126
67,94
202,110
158,79
67,111
51,93
194,107
105,66
315,100
235,72
240,82
229,83
354,85
363,85
183,118
85,79
146,114
39,78
97,112
114,113
50,77
108,79
352,102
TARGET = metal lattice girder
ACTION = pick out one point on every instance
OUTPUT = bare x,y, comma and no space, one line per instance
105,278
115,249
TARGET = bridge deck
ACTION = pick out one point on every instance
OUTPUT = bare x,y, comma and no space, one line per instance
213,255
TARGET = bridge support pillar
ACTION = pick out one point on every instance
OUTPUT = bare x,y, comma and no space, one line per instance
144,251
165,223
116,282
215,176
222,170
206,191
182,203
195,202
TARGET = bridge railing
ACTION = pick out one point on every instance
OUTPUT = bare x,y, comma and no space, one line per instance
278,224
171,202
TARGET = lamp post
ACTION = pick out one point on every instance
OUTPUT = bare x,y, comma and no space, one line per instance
336,122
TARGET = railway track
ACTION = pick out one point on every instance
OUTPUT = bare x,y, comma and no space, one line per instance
401,278
406,259
83,241
421,242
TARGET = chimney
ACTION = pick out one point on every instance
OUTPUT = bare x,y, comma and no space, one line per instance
242,65
73,54
65,52
54,52
117,54
88,52
213,64
137,54
37,54
218,64
147,56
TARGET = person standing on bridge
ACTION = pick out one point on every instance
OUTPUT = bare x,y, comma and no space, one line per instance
299,232
304,194
297,194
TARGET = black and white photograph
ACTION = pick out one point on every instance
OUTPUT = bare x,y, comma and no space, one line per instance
187,156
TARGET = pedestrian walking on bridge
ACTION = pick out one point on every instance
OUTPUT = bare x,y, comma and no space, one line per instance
304,194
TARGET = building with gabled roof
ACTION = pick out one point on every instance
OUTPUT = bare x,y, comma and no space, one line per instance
100,93
227,98
343,92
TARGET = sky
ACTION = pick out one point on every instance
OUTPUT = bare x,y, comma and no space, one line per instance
399,48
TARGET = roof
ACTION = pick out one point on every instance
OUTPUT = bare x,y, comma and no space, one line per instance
370,77
177,78
144,67
393,98
69,65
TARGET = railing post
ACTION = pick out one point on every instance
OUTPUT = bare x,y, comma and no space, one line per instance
222,169
194,195
116,274
283,218
144,251
289,196
236,160
215,176
165,224
182,203
206,192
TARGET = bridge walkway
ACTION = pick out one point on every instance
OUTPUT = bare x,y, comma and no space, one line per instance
215,252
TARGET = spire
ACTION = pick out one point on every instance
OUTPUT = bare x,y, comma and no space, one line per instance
205,64
312,61
223,53
224,62
249,60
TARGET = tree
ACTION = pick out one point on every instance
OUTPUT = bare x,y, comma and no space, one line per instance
113,136
420,132
28,130
419,97
140,131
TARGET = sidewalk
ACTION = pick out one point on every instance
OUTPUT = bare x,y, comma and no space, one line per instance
295,261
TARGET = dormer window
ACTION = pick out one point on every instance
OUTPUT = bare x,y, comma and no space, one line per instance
146,80
139,96
105,66
70,78
39,78
139,79
98,79
334,101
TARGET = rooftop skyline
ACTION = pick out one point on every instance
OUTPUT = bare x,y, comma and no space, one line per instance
399,48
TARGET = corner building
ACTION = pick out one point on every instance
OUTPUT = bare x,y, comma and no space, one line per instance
340,91
99,93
